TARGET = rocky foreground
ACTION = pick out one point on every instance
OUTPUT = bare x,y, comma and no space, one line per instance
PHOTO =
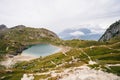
76,73
85,73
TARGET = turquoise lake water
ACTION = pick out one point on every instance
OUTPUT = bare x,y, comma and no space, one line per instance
41,50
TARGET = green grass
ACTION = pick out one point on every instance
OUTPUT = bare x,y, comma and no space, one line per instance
99,51
115,46
81,43
101,54
45,63
109,62
15,75
38,77
113,56
115,70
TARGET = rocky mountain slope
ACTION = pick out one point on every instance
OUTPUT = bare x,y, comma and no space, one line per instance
112,31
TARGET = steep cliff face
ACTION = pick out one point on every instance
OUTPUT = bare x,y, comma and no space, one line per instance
112,31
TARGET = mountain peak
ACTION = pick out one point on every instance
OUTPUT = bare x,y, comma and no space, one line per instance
19,26
3,27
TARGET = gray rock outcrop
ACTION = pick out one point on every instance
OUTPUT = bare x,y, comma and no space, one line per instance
112,31
3,27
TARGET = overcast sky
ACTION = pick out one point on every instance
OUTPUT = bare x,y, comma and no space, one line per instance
58,15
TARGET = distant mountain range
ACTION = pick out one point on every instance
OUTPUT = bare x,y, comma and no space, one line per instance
81,33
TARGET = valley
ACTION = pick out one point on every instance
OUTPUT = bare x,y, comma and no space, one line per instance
78,60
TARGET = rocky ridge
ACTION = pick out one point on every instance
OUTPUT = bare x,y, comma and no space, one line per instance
111,32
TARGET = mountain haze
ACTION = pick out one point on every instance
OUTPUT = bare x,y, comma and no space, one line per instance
80,33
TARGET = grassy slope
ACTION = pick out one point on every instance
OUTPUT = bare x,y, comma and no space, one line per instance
14,40
102,53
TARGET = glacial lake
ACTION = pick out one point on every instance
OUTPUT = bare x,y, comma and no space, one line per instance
41,50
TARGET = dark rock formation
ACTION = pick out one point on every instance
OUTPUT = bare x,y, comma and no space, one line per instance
112,31
3,27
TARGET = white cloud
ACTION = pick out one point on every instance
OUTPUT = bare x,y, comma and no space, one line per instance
97,32
77,33
94,29
57,15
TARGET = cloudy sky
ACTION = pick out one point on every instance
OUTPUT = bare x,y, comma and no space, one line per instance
58,15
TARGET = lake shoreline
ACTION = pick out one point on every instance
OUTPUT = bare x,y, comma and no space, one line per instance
12,59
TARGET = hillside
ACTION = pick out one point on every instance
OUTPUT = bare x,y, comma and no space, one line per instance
14,40
23,34
111,32
98,56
